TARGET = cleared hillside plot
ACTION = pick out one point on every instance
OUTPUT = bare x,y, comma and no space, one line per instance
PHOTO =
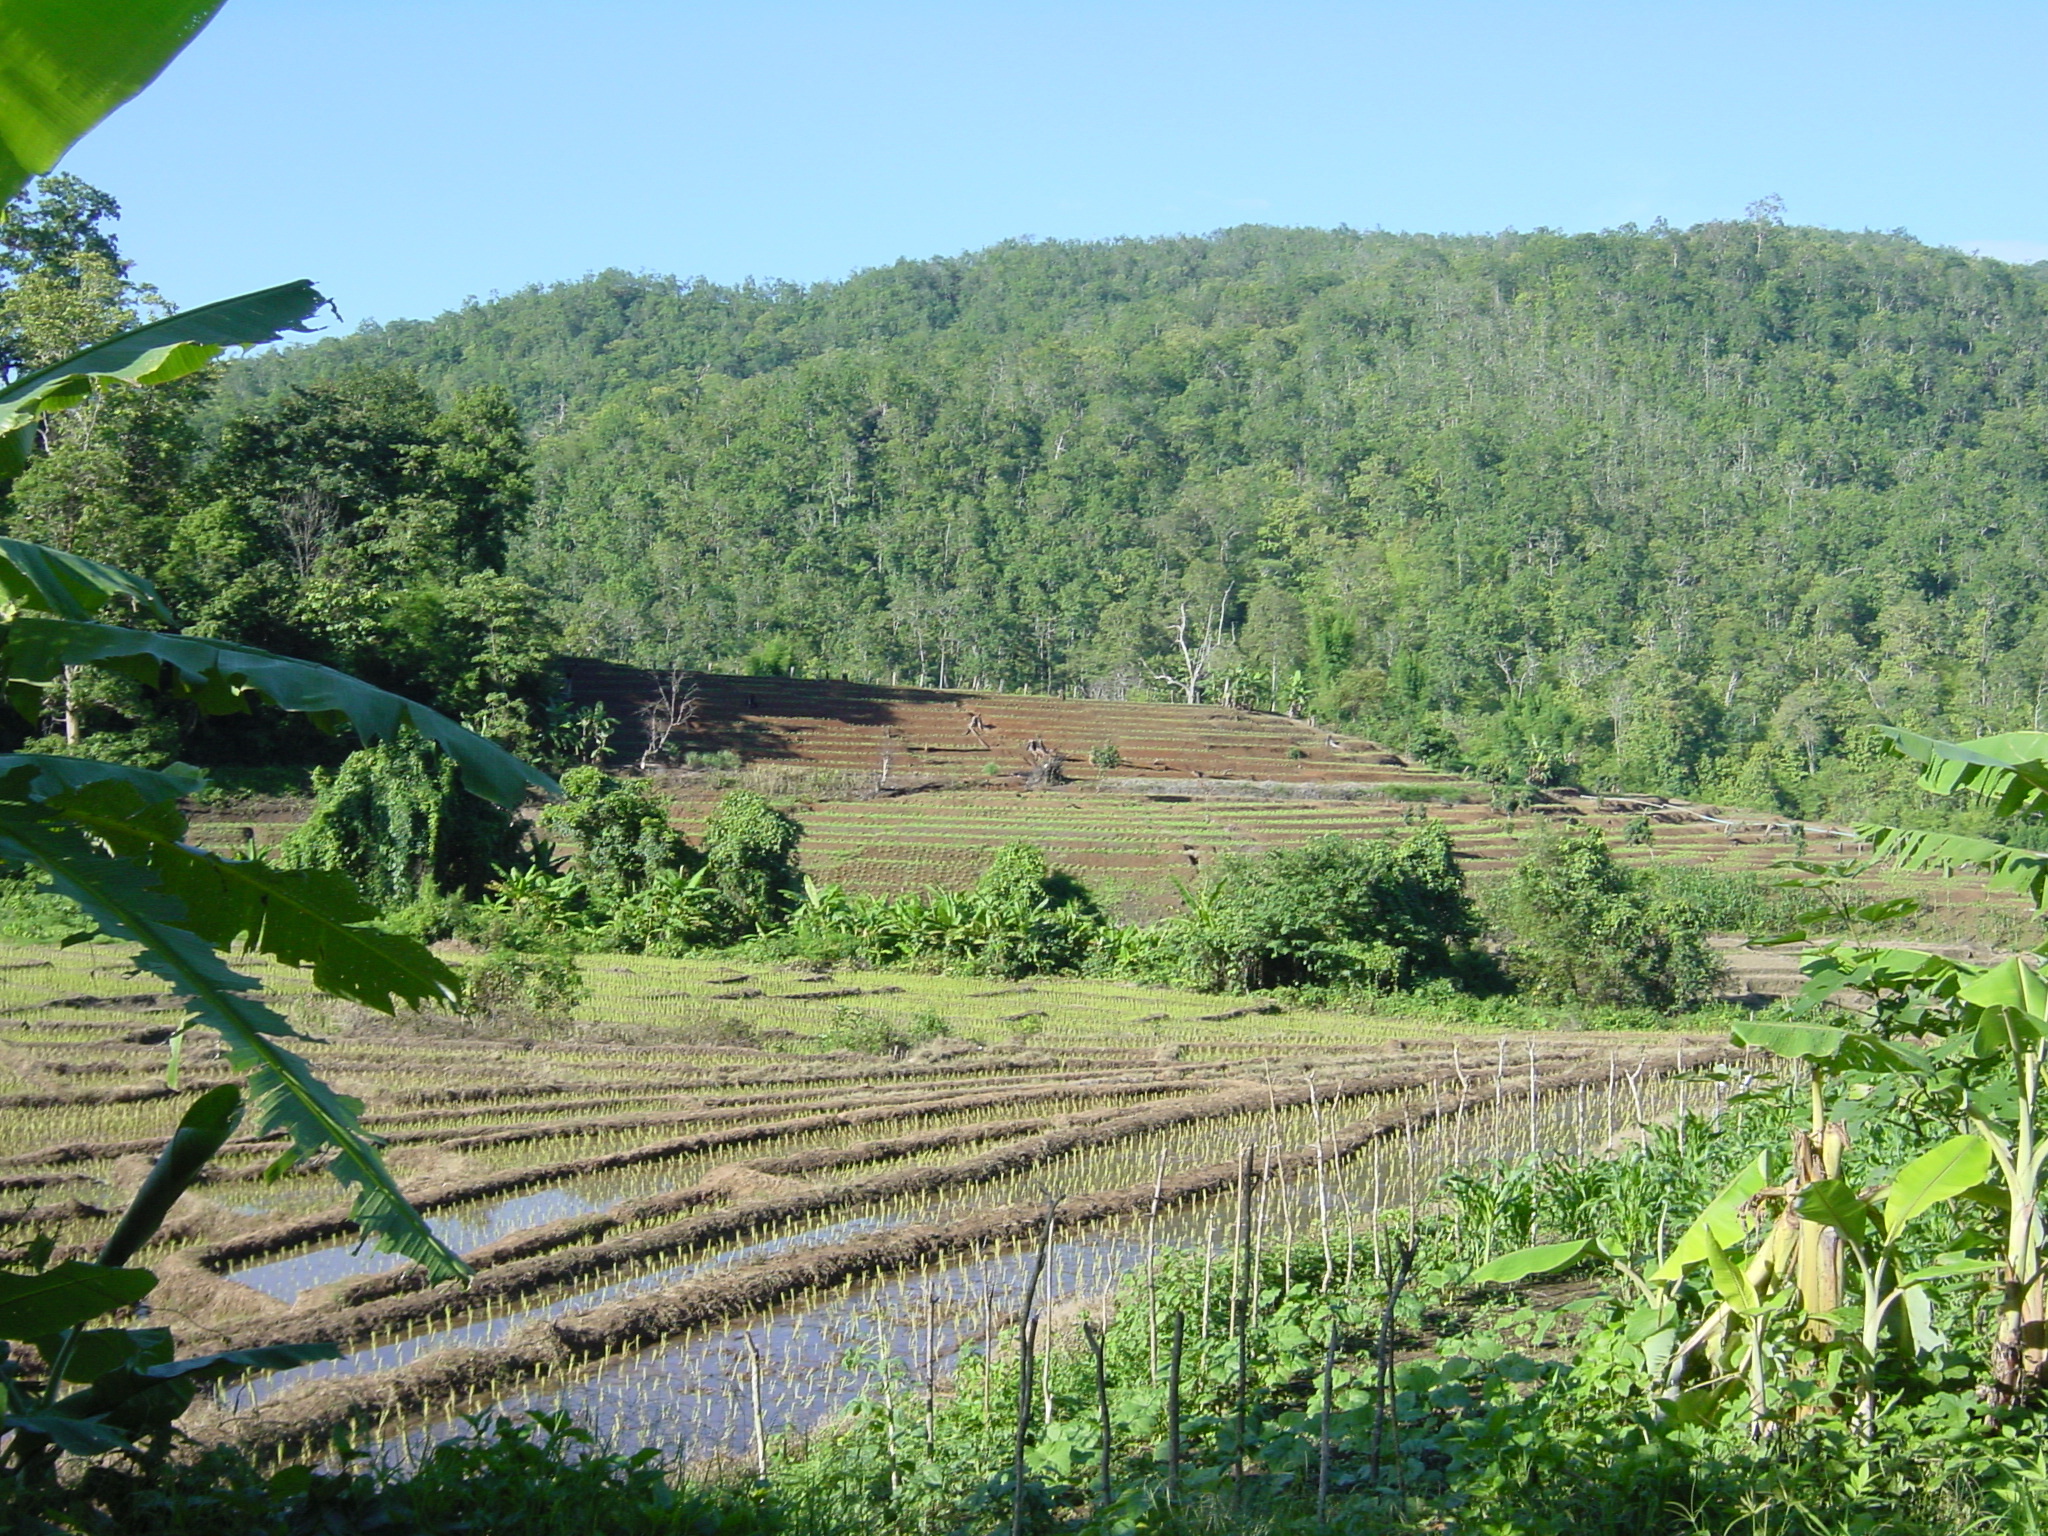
675,1195
923,733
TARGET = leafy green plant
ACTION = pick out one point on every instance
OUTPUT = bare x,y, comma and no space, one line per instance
750,854
544,985
622,833
1378,916
1105,755
395,818
1581,928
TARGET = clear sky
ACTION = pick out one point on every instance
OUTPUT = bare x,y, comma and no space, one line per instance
407,155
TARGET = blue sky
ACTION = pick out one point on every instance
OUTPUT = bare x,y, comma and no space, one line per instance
407,155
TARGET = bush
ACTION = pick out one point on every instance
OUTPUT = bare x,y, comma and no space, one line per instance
1106,755
1725,901
622,832
1583,929
869,1034
511,983
1381,915
750,852
397,819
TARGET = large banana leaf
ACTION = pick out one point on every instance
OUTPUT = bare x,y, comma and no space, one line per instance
300,917
128,901
64,66
2010,771
45,580
163,350
221,677
2010,869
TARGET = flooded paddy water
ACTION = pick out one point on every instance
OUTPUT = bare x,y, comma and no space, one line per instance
664,1230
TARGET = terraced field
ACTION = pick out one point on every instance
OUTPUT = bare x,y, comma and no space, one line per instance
675,1204
925,733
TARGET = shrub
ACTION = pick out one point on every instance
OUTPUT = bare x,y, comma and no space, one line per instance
1583,929
506,982
870,1034
1106,755
622,832
1380,915
396,818
750,852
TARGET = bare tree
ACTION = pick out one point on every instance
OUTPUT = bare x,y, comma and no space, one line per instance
308,522
1196,647
674,706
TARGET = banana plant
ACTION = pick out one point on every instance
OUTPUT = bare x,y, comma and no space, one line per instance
131,1390
2009,1014
112,839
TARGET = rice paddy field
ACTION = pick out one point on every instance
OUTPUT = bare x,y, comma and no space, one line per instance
695,1228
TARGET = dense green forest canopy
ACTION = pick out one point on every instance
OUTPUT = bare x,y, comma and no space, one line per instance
1664,508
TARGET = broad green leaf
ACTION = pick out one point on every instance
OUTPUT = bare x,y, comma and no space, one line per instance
128,902
1525,1263
1730,1283
202,1132
236,1362
1935,1177
1719,1224
44,580
2010,869
2009,770
1918,1306
78,1436
221,677
2011,984
1832,1203
65,67
35,1306
1840,1049
1956,1270
96,1351
163,350
300,917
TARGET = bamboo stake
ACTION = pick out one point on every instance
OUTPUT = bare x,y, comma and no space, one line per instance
1323,1447
1173,1412
1024,1340
754,1396
1095,1342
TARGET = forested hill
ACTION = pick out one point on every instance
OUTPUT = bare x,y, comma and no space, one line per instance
1670,508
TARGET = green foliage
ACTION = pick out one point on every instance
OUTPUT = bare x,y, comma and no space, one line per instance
870,1034
66,72
1023,918
545,986
1723,900
1582,928
1105,754
1357,436
750,857
530,1477
623,835
1377,915
396,820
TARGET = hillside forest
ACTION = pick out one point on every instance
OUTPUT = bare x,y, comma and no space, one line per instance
1664,509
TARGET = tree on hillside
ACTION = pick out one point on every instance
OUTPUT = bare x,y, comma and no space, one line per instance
1581,929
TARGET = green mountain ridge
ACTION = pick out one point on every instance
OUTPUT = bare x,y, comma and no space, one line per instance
1661,508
